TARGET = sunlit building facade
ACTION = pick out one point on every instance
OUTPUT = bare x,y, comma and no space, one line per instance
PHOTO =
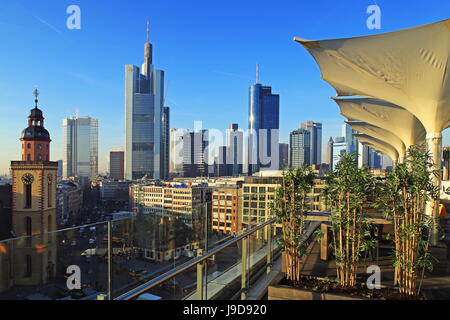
80,148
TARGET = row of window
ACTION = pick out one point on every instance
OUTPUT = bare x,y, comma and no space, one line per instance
259,189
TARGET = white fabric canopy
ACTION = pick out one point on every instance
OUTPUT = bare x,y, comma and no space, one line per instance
406,67
386,116
378,145
380,134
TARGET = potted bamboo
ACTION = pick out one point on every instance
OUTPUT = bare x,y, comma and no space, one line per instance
347,193
403,198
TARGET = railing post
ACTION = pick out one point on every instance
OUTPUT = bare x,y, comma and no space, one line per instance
110,262
244,268
200,276
269,248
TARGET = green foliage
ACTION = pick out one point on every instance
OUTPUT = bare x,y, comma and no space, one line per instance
347,192
290,206
403,197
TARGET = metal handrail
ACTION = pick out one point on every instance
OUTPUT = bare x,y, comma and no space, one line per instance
189,264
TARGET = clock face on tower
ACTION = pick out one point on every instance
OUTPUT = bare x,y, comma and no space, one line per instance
27,178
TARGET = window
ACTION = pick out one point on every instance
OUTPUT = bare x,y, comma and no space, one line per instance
49,196
28,226
28,230
49,223
27,196
29,157
29,267
29,146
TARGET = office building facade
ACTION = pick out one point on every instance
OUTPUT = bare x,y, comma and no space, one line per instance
80,148
116,165
284,155
176,151
235,150
315,130
195,159
300,148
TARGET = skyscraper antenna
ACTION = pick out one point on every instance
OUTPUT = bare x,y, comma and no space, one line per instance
148,31
257,72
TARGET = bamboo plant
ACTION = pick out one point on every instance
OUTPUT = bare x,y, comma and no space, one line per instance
347,192
290,207
403,197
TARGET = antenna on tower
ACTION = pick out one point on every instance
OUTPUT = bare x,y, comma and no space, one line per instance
148,31
257,72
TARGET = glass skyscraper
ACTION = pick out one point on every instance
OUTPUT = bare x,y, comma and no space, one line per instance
263,125
80,148
144,102
315,128
300,148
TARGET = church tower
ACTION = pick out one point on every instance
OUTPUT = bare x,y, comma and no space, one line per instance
34,204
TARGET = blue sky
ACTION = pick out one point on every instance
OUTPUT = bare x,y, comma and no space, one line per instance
207,48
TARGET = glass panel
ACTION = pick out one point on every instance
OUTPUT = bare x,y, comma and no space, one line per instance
68,264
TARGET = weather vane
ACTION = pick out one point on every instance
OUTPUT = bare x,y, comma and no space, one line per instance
36,95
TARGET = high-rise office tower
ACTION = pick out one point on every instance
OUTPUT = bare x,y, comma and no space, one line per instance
116,165
222,168
315,128
365,156
329,153
144,102
176,153
80,148
195,159
165,143
300,148
263,125
284,156
235,150
350,138
339,148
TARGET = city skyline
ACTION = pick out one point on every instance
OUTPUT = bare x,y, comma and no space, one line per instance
69,57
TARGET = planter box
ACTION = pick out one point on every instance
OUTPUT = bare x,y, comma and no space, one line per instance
281,292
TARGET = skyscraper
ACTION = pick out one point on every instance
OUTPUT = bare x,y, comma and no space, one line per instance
329,153
144,102
300,148
339,148
284,156
195,161
234,153
315,128
176,153
80,148
165,143
263,125
116,165
350,138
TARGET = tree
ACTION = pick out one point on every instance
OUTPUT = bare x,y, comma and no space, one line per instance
403,197
347,191
289,206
